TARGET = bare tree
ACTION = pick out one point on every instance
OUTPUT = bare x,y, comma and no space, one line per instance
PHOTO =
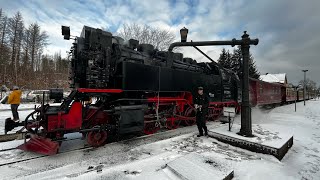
15,33
15,26
159,38
26,48
310,84
4,50
18,55
61,72
38,41
3,28
34,34
21,52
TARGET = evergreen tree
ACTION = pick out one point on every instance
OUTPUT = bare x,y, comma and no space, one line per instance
229,63
234,62
253,71
237,60
223,58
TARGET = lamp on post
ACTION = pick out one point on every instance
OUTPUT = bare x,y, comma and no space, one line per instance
304,86
65,32
184,33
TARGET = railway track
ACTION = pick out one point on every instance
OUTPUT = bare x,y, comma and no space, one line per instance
8,149
40,156
137,140
60,152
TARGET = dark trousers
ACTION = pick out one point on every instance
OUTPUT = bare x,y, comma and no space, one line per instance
201,123
14,109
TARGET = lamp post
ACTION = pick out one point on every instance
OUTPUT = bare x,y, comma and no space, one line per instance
65,32
183,33
304,86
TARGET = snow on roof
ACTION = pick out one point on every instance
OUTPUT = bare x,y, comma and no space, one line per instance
274,78
269,78
281,77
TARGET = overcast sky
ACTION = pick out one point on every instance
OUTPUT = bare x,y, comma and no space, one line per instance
288,30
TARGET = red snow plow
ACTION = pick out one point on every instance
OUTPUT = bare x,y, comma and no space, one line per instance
40,145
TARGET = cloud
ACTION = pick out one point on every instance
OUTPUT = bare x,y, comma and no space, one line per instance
287,29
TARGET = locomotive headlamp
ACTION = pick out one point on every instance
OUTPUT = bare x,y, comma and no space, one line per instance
65,32
184,34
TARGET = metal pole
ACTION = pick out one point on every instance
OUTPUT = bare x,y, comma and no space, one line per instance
204,54
304,87
246,124
229,122
295,100
233,42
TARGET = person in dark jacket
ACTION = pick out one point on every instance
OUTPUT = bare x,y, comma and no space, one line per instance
201,104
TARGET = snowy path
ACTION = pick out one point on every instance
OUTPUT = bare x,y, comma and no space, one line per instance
147,158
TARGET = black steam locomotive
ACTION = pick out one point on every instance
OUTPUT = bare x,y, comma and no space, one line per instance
135,88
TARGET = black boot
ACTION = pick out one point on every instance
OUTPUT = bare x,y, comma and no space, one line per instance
206,133
205,130
199,135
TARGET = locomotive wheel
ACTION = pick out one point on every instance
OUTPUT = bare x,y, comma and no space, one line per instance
150,128
97,138
172,124
190,112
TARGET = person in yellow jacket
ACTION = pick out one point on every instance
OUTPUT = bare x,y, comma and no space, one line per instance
14,100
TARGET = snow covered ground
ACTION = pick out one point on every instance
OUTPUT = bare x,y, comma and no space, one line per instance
147,158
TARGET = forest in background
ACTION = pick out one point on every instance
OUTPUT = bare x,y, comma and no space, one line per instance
22,59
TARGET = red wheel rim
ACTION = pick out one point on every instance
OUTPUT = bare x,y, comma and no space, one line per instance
191,113
97,138
172,123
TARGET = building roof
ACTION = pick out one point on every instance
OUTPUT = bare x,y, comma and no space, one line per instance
274,78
